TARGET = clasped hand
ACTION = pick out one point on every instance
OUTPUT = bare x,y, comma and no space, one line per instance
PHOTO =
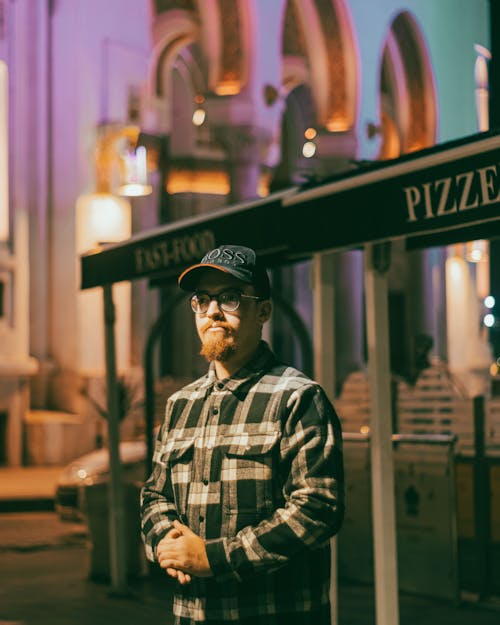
182,553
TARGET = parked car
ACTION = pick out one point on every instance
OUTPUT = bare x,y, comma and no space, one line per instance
93,468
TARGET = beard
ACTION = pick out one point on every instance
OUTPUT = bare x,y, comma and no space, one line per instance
216,347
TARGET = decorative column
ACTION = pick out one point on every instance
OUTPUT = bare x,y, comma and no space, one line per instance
17,192
244,146
335,153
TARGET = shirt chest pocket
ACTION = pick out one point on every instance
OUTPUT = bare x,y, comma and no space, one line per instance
179,460
249,473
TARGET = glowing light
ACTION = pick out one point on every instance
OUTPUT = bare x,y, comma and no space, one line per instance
310,133
200,181
494,369
455,268
489,301
228,87
105,217
338,124
135,176
364,429
309,149
476,251
102,218
489,320
199,116
134,189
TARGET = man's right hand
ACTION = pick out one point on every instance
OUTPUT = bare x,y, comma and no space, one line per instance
180,576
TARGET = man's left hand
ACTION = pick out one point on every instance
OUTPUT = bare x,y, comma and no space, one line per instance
186,552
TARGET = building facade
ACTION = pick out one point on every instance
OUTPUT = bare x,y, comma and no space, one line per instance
233,99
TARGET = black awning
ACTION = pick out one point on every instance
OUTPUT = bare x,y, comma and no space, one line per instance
450,188
162,253
446,193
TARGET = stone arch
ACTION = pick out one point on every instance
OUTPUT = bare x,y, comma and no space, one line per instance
407,92
319,49
220,31
171,31
188,84
299,114
225,43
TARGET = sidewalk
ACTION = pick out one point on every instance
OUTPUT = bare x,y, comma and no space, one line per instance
44,581
44,574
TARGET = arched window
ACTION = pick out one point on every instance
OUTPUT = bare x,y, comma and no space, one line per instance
407,94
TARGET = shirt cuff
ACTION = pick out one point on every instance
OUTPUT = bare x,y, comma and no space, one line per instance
218,560
157,538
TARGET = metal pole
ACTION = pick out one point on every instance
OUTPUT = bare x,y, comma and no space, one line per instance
117,542
382,465
453,520
481,499
324,366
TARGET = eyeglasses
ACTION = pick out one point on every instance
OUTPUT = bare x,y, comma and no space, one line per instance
228,301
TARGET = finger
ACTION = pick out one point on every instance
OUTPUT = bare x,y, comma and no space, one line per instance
172,535
172,547
172,572
169,554
183,529
172,564
166,563
183,578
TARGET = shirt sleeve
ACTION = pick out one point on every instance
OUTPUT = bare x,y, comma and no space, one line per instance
311,466
158,510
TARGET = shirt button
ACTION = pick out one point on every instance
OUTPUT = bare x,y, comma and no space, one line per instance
205,482
215,411
201,519
210,445
220,386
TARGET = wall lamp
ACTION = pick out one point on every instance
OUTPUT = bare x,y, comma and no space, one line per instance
121,162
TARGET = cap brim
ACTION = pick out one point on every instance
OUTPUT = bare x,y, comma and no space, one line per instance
186,280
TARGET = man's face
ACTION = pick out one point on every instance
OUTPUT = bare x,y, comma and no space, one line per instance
229,335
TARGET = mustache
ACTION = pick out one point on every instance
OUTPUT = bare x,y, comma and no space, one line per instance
216,324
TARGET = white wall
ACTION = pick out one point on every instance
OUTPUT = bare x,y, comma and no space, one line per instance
101,50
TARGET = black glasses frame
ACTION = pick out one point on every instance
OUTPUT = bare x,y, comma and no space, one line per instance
219,298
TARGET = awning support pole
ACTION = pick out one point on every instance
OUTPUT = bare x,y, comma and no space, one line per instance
377,262
324,364
117,542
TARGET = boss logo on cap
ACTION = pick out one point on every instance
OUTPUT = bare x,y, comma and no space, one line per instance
225,254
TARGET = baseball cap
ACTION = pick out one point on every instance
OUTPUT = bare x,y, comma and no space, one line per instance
237,260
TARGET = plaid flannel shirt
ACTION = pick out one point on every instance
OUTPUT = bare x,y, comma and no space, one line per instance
252,464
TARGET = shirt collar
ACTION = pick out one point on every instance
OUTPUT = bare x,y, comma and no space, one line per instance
261,361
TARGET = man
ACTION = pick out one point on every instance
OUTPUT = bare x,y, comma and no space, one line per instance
247,481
